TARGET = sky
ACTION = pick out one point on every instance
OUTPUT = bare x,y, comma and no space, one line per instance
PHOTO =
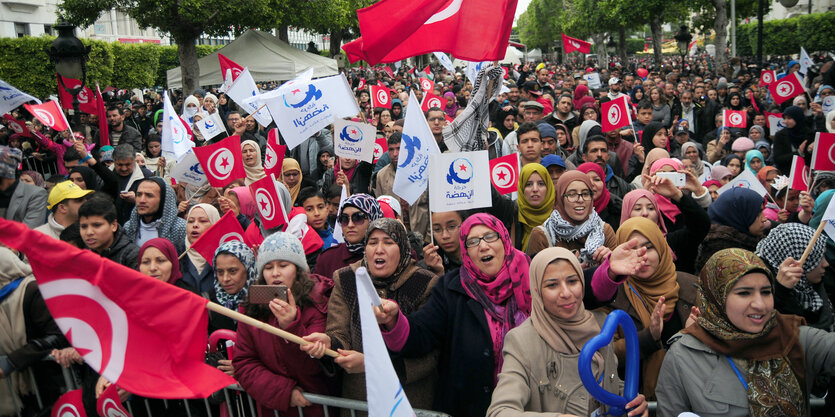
521,6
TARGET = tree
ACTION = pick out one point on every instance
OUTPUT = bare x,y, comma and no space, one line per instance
184,21
715,14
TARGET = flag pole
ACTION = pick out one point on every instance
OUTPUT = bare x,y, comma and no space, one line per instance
242,318
812,242
249,116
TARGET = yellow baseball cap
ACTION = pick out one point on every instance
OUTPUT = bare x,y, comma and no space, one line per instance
63,191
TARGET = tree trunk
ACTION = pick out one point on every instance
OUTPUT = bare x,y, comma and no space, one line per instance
599,42
283,33
655,26
189,69
720,26
622,45
336,42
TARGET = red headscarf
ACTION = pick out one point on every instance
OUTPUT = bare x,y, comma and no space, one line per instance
167,248
603,200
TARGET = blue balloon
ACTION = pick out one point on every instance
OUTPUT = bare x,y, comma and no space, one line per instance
616,403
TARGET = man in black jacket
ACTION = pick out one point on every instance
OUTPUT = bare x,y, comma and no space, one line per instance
120,133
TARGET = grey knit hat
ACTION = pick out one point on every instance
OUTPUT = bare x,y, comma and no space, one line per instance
281,246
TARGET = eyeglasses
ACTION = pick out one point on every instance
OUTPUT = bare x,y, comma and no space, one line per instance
357,218
475,241
575,197
435,119
451,229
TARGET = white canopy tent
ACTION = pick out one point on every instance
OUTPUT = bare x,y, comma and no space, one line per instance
512,56
267,57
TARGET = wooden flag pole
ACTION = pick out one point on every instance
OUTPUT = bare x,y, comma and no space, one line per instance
249,116
242,318
812,242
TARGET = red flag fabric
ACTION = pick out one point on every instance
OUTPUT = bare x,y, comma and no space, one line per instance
768,116
570,44
380,97
411,71
50,114
227,64
101,112
109,404
85,97
473,30
786,88
427,85
615,114
226,229
145,335
269,205
69,405
753,101
18,126
427,70
448,119
274,155
361,84
431,100
767,77
504,173
388,71
799,179
222,162
380,147
823,156
736,118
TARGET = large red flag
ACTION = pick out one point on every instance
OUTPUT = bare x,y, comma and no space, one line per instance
430,100
50,114
736,118
274,156
504,173
380,96
823,156
69,405
472,30
101,112
222,162
570,44
109,404
145,335
615,114
786,88
17,126
85,97
265,195
228,65
226,229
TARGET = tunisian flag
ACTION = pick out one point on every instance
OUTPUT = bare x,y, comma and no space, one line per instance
615,114
109,404
85,97
265,195
380,96
786,88
18,126
504,173
799,179
274,156
144,335
226,229
222,162
229,67
823,156
69,405
570,44
50,114
472,30
736,118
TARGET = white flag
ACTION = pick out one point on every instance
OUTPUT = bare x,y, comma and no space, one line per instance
775,124
805,61
445,61
354,140
175,136
473,68
746,179
211,125
385,393
593,79
241,91
829,218
12,98
188,170
337,228
416,144
459,181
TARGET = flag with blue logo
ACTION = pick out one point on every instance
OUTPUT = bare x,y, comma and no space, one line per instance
175,135
445,61
805,61
385,393
188,170
416,145
459,181
354,140
243,89
11,98
210,125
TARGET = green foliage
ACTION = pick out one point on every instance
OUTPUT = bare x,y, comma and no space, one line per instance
169,58
633,46
135,66
814,32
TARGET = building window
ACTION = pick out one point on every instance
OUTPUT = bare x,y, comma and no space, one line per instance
47,29
21,29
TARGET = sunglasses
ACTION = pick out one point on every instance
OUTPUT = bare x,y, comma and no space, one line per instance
357,218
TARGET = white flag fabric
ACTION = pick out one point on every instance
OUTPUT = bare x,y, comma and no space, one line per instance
445,61
828,104
775,124
354,140
593,79
459,181
211,125
416,144
385,393
337,228
243,89
805,61
829,218
188,170
12,98
473,68
175,136
746,179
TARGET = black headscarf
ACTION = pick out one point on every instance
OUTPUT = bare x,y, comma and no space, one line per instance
797,134
649,132
499,122
732,95
91,180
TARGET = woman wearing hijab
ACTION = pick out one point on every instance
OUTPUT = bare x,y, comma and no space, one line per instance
789,140
534,206
766,175
451,104
551,339
195,269
658,298
234,267
701,168
252,162
85,178
154,161
720,147
239,200
606,205
292,177
653,139
741,357
565,139
734,164
737,221
33,178
754,161
505,121
354,173
722,174
642,203
358,211
574,224
637,94
580,92
388,259
158,260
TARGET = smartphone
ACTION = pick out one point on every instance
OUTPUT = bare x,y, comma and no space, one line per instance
678,178
263,294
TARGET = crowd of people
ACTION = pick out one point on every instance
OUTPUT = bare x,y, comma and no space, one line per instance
484,311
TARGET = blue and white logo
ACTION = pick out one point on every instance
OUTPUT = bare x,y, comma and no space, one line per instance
351,133
411,145
460,171
300,99
196,169
210,123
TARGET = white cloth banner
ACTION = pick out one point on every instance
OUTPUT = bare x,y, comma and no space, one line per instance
211,125
459,181
241,91
175,137
593,79
12,98
775,124
337,228
354,140
385,393
445,61
416,145
746,179
805,61
828,104
188,170
473,68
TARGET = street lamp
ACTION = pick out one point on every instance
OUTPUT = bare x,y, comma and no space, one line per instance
69,56
611,46
683,38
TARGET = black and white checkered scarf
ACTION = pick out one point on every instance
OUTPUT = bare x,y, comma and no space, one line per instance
790,240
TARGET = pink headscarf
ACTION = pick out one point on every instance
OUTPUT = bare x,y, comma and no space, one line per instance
629,201
603,200
245,199
668,209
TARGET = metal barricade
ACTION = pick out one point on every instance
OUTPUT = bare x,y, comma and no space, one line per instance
46,167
